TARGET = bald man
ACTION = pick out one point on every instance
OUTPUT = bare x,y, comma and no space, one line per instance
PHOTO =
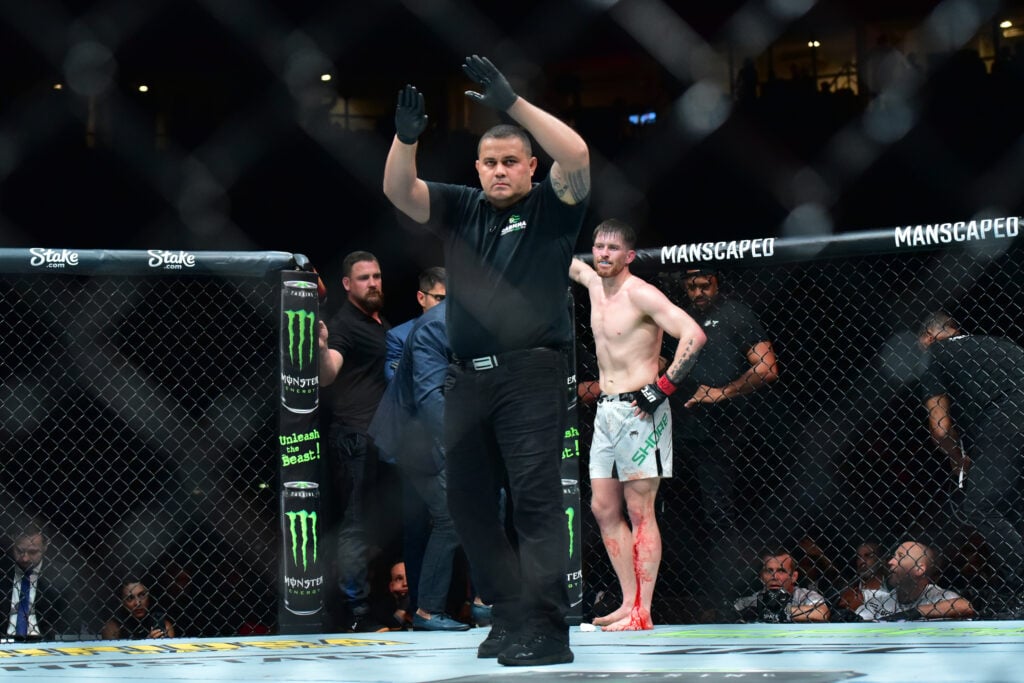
913,595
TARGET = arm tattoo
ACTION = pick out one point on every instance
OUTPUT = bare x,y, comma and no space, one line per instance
683,363
576,185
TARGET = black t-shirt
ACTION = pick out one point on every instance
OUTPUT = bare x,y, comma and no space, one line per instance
974,371
508,269
361,382
732,330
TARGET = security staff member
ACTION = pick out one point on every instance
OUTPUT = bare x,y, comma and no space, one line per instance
973,390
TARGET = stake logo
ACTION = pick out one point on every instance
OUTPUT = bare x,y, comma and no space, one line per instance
302,530
301,338
52,258
170,260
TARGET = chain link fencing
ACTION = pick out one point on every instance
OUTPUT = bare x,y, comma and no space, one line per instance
237,135
136,423
837,452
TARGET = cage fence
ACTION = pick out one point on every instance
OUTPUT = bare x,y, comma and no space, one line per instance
135,422
835,453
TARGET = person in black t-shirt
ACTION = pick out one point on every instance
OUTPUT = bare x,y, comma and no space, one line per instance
352,353
722,417
973,389
737,360
507,251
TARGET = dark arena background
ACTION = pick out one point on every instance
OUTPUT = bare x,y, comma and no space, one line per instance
845,167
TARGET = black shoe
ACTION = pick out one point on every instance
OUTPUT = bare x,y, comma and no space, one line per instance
536,649
496,641
366,624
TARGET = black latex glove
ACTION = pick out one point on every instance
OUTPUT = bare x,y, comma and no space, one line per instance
906,615
410,115
497,93
649,398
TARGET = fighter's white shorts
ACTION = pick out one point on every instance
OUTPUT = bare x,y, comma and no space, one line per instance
634,447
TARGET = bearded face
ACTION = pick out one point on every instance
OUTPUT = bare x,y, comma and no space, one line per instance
611,255
364,286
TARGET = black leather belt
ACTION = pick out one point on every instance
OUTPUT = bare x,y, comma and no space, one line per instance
481,363
627,397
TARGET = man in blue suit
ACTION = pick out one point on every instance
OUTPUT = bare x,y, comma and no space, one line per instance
408,427
431,292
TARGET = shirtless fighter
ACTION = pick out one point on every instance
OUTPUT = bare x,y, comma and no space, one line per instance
633,427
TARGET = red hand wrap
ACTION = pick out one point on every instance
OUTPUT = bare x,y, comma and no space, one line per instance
665,384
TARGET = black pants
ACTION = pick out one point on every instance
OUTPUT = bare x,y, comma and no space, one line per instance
993,496
511,418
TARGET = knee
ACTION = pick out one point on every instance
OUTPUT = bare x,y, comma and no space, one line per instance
640,513
606,511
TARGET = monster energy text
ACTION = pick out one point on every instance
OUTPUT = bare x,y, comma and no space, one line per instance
298,448
300,382
303,580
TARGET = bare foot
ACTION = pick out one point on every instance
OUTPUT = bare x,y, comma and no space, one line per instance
637,620
618,614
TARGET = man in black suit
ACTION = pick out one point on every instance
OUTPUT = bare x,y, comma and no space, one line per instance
39,606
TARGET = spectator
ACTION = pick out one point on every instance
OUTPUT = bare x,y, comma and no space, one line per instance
394,610
431,292
352,351
973,390
746,83
632,445
507,250
871,576
913,595
45,603
781,600
415,515
408,426
136,621
816,567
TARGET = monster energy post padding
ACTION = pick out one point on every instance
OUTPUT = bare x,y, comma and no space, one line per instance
300,382
574,570
300,533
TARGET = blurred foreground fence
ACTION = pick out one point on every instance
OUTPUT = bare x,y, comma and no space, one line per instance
837,451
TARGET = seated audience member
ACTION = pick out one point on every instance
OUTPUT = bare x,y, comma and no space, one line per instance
781,600
392,610
870,581
135,620
43,600
817,570
912,594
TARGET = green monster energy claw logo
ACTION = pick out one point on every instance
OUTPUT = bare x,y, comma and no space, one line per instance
306,521
570,514
301,326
